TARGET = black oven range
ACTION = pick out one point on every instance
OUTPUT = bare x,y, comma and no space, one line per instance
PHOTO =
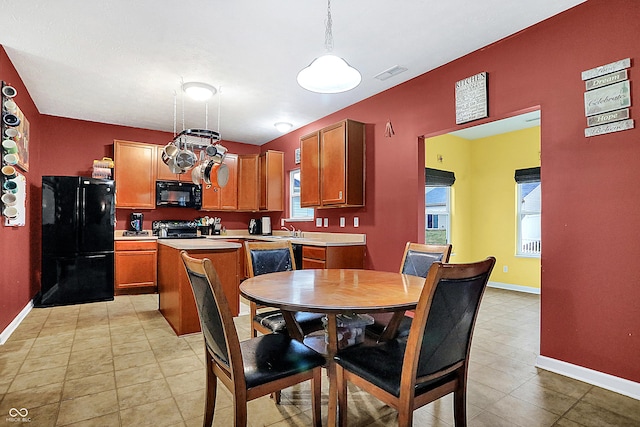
175,229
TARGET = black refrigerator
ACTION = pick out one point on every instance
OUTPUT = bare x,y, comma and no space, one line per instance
78,216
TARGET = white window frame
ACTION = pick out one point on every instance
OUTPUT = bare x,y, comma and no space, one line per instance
536,246
448,211
292,194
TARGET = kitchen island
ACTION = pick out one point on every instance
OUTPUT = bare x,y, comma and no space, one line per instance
175,297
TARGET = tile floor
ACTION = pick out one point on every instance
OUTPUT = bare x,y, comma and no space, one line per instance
120,364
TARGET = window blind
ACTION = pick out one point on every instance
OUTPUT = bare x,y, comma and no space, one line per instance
438,178
527,175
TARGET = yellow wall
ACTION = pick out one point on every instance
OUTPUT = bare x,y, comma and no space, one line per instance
484,207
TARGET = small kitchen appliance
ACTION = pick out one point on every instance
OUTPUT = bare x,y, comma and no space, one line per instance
135,222
255,226
178,194
266,226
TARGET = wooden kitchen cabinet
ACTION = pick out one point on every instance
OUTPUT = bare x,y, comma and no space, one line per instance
272,180
333,256
248,196
163,173
175,297
135,266
135,174
261,181
310,170
225,198
332,166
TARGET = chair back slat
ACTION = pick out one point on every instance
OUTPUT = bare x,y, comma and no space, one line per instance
447,334
270,261
418,258
209,314
418,263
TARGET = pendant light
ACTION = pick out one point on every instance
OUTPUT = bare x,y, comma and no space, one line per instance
329,73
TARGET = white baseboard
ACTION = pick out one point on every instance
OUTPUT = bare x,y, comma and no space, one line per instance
606,381
4,336
510,287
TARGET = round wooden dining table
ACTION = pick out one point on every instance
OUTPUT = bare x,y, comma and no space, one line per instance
333,292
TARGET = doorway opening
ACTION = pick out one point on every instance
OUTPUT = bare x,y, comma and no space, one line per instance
485,210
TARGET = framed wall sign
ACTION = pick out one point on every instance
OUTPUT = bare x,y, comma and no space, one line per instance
471,98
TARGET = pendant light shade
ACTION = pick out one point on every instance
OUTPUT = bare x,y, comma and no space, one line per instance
329,74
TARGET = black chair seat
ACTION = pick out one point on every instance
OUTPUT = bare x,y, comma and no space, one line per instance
274,320
381,320
264,362
381,365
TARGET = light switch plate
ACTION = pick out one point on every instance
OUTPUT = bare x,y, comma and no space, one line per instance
281,222
356,221
342,221
318,222
326,222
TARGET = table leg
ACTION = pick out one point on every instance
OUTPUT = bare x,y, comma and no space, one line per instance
391,329
332,349
293,327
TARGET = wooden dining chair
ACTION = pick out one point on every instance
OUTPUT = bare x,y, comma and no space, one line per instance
408,373
252,368
416,260
271,257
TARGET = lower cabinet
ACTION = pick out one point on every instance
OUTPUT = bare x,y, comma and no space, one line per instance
333,257
135,267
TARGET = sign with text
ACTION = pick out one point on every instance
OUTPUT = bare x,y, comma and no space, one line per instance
608,98
612,116
471,98
606,69
606,80
609,128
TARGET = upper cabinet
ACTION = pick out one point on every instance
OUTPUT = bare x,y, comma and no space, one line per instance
332,171
135,174
310,170
261,181
163,173
272,180
225,198
248,196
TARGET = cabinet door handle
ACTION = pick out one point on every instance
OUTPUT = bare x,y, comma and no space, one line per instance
340,195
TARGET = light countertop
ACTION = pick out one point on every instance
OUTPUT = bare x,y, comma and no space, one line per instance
199,244
309,238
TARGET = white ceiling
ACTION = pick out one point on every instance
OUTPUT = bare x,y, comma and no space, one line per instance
121,61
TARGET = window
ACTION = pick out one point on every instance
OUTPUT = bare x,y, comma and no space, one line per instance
295,211
529,235
437,212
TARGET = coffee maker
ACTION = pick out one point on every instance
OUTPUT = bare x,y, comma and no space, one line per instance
135,222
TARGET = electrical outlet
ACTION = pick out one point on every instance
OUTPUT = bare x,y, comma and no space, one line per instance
318,222
281,222
342,221
356,221
505,268
326,222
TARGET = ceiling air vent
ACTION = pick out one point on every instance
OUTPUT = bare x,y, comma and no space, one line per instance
388,73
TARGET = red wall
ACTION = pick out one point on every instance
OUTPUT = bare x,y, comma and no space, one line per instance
17,277
590,304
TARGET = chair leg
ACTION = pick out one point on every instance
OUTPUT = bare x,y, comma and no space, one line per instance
240,413
342,396
210,398
460,407
277,396
316,392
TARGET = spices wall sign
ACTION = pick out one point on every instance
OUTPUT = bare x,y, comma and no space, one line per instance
607,98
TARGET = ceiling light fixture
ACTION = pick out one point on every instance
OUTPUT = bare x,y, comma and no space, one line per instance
329,73
198,91
283,127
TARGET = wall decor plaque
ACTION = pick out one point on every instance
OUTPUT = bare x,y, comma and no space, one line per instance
471,98
611,116
606,80
609,128
606,69
608,98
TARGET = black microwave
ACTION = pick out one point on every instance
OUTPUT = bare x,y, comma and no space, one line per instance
178,194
